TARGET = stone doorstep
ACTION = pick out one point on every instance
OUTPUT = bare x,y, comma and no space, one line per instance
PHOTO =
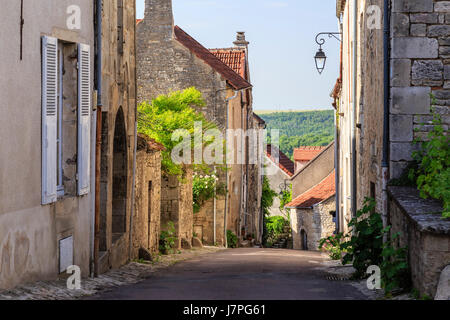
131,273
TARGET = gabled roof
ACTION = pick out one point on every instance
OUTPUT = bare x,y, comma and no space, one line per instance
259,119
285,163
232,57
234,79
307,153
317,194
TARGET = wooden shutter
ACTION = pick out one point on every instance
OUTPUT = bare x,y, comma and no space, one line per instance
49,118
84,118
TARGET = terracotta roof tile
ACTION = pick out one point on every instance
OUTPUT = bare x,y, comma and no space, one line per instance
233,57
234,79
307,153
285,163
321,192
147,143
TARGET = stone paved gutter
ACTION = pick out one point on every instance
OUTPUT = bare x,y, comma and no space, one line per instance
129,274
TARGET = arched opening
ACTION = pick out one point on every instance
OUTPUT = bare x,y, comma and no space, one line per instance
304,240
120,176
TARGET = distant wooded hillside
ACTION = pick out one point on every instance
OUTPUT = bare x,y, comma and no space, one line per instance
309,128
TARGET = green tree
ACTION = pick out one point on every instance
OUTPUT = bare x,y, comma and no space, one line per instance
168,113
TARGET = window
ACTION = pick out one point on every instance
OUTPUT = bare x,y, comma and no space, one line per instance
66,100
59,133
120,37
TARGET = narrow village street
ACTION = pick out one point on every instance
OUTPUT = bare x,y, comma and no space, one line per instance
271,150
242,274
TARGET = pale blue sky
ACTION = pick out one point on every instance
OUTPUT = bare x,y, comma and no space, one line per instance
282,46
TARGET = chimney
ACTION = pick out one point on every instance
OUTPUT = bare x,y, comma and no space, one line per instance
240,40
159,18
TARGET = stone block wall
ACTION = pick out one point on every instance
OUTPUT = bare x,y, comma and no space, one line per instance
316,222
147,202
426,235
176,206
420,66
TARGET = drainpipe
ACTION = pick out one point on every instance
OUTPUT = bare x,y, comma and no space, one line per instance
98,130
385,160
354,97
226,170
135,142
336,165
215,208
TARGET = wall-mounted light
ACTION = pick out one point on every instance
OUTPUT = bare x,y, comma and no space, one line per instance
320,57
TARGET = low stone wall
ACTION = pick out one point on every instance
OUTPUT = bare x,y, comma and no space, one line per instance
424,232
147,212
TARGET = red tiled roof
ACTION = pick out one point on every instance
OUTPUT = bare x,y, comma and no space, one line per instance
138,20
233,57
285,163
234,79
145,142
321,192
307,153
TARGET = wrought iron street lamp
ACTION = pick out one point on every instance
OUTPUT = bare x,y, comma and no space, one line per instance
320,57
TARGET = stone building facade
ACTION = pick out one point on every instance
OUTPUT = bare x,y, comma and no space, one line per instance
169,60
147,201
313,208
418,58
118,109
47,140
418,61
279,170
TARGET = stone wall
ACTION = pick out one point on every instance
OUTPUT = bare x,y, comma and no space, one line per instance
147,202
118,126
420,67
313,172
424,232
176,205
30,232
316,223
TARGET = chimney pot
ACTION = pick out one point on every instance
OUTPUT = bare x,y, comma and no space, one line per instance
240,40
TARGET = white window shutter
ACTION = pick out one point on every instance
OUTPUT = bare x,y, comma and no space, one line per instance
84,118
49,118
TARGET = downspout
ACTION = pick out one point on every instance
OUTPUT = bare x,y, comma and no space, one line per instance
226,170
385,160
215,208
133,191
98,135
336,164
354,97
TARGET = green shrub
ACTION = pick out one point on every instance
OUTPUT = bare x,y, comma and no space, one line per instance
167,239
333,245
204,188
274,228
232,239
433,173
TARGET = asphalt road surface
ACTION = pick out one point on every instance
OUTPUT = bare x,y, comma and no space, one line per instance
241,274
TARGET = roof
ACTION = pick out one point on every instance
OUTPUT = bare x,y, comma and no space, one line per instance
285,163
138,20
145,142
307,153
235,58
317,194
258,118
234,79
